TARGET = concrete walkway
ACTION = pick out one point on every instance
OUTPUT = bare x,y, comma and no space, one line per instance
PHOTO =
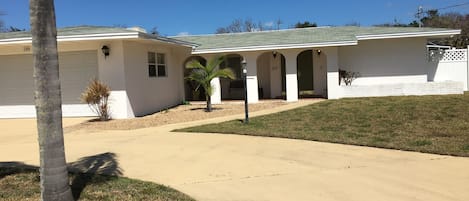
244,168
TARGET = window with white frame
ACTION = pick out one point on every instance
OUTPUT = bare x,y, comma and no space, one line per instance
156,64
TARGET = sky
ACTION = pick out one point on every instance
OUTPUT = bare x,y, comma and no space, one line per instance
174,17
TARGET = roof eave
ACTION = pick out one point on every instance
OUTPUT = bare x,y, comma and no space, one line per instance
167,40
85,37
273,47
444,33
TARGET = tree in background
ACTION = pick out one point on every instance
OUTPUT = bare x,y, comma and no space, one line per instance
154,31
203,75
354,24
248,25
3,28
241,25
2,24
396,23
449,20
13,29
53,167
432,18
279,22
305,24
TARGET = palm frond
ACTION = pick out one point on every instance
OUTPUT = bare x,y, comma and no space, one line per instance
203,75
214,63
223,73
194,64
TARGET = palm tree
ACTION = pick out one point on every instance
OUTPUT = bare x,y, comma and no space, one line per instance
53,168
203,75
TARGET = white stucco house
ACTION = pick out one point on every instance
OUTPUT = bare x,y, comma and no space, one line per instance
146,72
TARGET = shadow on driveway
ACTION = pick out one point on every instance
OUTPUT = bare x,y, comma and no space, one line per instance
81,172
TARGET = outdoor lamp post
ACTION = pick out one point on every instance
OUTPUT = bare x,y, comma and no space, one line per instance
245,71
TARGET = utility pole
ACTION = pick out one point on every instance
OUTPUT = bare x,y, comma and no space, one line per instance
278,22
419,15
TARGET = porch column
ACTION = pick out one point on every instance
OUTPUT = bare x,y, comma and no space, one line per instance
291,75
252,85
333,88
216,96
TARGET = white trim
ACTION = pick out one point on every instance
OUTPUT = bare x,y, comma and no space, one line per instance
29,111
274,47
408,35
128,35
135,34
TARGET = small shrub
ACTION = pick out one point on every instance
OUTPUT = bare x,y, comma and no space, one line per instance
347,76
96,96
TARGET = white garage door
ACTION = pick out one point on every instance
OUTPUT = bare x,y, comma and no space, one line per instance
17,86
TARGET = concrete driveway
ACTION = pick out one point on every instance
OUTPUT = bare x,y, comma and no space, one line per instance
243,168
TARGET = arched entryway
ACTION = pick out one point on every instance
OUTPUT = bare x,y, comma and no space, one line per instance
232,89
271,75
189,86
312,73
305,73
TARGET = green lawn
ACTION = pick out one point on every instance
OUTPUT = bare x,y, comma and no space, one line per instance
432,124
23,184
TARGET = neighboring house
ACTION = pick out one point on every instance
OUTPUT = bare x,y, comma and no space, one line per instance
146,72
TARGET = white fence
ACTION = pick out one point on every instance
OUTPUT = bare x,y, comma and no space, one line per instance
449,65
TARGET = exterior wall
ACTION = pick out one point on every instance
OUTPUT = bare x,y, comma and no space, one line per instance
319,73
388,61
332,60
276,76
403,89
151,94
264,74
111,72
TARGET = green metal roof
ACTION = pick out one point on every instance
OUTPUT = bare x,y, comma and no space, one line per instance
92,30
317,35
289,37
69,31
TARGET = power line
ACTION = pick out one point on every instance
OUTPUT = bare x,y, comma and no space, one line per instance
453,6
421,11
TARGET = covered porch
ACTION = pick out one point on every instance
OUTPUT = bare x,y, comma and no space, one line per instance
288,74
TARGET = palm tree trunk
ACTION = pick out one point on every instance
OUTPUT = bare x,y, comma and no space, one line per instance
53,168
209,103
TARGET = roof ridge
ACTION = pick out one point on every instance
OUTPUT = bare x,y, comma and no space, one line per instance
252,32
